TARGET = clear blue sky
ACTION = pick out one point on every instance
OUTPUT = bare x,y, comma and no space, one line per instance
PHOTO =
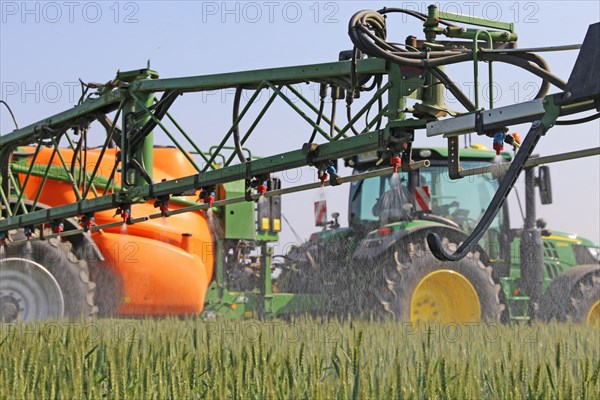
46,46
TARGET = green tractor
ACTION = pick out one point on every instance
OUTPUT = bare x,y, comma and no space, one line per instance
381,263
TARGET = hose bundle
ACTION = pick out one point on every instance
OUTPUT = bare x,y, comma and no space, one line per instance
367,30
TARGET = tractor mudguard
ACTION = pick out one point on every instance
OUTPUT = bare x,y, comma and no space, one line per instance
370,249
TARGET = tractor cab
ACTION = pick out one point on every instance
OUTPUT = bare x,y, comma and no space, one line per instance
425,195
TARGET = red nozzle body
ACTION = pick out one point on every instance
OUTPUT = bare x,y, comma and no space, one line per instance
261,189
164,208
395,162
125,215
210,199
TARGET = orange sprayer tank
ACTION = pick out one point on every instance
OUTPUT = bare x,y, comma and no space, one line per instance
165,265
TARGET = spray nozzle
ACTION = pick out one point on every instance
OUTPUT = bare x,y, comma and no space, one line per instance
3,238
328,171
261,189
208,195
323,176
259,183
28,231
395,162
498,141
125,213
58,227
87,221
162,203
210,199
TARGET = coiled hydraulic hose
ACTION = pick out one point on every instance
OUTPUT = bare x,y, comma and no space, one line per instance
367,30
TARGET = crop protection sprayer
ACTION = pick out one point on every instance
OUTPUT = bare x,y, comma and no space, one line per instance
131,228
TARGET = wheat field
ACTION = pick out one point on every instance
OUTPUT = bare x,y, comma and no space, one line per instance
297,359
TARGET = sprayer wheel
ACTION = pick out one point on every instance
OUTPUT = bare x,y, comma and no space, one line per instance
109,291
415,286
70,273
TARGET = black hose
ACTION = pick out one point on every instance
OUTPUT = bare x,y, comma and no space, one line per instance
453,88
11,113
416,14
534,58
349,116
367,31
521,62
333,107
236,132
578,121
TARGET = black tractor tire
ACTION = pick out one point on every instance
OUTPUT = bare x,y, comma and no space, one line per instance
109,289
585,296
571,295
71,274
299,277
403,268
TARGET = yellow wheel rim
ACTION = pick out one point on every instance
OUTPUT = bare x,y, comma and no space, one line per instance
445,296
593,317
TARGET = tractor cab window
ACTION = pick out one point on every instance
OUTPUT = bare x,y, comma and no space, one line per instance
462,201
365,196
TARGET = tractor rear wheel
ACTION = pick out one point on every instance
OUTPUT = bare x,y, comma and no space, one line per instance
585,299
44,280
417,287
573,296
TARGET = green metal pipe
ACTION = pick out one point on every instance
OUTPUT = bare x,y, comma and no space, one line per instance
235,124
364,109
44,178
85,175
396,102
532,162
299,111
64,164
472,20
167,132
375,119
476,68
20,203
188,138
30,169
105,103
496,36
142,153
5,202
294,189
284,75
106,144
279,162
312,107
251,128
